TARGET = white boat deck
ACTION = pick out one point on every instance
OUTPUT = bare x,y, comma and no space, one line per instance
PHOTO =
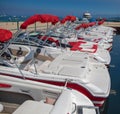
34,107
69,65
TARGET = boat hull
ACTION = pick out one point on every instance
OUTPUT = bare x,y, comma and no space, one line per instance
98,101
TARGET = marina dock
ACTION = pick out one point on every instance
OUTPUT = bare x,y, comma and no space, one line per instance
13,26
115,25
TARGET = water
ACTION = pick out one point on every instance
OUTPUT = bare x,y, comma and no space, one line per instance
8,18
114,99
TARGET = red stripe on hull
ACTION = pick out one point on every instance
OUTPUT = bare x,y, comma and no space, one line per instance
109,49
69,85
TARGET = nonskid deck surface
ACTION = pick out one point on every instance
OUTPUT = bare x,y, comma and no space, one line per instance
69,61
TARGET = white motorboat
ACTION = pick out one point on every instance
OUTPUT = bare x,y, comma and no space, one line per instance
103,37
51,46
69,31
19,96
74,69
93,35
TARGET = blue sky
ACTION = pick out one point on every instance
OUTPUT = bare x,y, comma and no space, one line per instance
60,7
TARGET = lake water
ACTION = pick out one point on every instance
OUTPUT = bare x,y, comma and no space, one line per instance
113,105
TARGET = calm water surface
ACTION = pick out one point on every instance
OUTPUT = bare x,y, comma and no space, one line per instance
114,100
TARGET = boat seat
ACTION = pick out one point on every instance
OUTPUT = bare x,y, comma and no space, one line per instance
33,107
26,58
44,65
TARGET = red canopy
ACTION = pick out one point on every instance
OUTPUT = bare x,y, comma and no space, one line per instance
43,18
91,24
83,25
78,27
5,35
30,20
73,18
101,22
68,18
49,18
55,20
63,21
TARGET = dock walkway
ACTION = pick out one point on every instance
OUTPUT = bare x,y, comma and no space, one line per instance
115,25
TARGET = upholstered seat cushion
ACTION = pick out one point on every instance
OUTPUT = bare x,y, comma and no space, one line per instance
34,107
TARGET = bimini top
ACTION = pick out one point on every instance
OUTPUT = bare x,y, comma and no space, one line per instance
43,18
5,35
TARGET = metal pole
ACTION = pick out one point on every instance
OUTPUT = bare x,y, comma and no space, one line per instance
35,27
17,25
